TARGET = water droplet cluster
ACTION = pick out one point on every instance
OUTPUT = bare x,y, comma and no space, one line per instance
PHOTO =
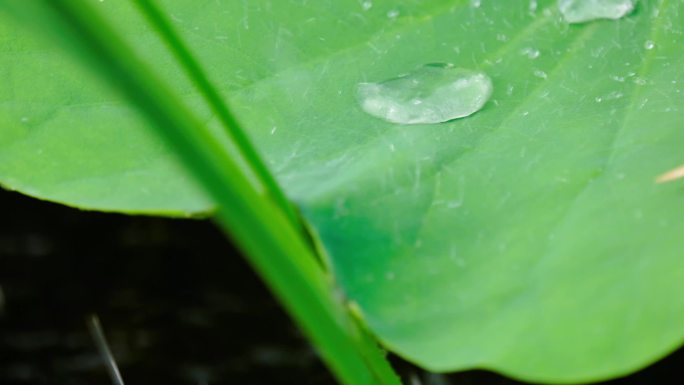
436,93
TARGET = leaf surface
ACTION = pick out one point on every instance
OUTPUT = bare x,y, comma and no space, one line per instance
529,238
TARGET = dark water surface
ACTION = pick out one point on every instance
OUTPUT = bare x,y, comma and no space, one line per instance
176,301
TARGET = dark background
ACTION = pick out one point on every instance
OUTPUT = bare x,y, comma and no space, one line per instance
176,300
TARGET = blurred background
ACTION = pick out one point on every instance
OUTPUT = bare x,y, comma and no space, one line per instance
176,301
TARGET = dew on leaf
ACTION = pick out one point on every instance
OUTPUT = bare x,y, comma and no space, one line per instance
656,12
614,95
533,6
540,74
649,44
392,13
581,11
432,93
530,52
366,5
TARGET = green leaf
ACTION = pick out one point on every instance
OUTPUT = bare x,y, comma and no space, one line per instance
529,238
259,222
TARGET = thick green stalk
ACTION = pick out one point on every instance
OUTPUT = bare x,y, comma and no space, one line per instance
272,243
198,76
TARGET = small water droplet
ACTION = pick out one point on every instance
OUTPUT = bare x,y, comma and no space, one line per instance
533,6
614,95
540,74
475,3
639,81
581,11
649,44
501,37
366,5
509,90
432,93
530,52
393,13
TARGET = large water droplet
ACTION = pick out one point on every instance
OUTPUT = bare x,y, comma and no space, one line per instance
432,93
580,11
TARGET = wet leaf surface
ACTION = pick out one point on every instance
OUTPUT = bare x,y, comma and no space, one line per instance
529,238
